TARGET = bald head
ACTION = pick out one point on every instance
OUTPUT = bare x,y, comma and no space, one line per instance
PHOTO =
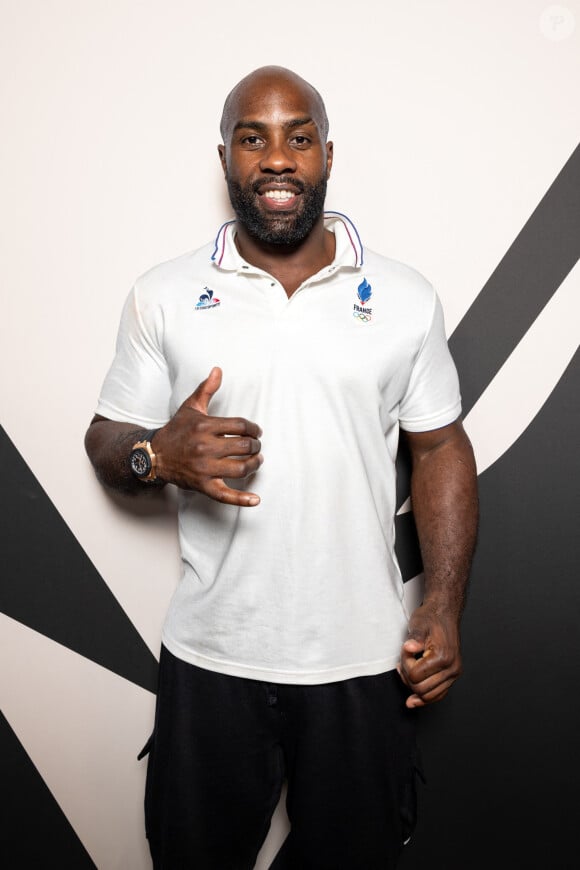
263,82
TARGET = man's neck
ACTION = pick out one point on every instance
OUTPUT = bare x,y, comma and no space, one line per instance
291,265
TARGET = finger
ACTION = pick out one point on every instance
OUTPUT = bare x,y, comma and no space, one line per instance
414,645
438,693
236,447
417,671
221,426
432,683
426,690
420,699
413,657
235,469
219,491
201,396
209,449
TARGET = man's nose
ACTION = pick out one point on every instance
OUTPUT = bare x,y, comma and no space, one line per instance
278,158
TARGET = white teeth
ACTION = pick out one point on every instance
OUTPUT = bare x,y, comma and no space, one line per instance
280,194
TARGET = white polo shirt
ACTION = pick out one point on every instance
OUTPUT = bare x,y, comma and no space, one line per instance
305,587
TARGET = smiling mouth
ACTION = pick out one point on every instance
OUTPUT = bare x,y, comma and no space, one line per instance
280,195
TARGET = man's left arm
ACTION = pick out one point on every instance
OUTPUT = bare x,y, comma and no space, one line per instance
445,506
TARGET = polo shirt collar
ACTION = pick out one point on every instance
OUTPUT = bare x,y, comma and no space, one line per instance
349,249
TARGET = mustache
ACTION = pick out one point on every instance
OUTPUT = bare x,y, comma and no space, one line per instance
287,180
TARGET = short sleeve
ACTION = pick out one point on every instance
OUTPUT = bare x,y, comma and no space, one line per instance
432,398
137,388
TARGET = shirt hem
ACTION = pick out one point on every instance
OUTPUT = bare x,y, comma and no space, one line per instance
119,416
428,423
269,675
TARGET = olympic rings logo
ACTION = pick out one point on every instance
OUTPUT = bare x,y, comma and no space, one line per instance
364,317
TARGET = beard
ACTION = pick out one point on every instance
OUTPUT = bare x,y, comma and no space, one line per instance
278,228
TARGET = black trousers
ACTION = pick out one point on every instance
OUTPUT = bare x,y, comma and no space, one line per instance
222,747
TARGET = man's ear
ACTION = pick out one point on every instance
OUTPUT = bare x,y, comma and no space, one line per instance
222,154
329,156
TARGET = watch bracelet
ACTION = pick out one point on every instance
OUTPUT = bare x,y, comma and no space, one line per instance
149,435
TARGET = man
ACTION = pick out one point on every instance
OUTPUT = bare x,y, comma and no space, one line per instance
287,650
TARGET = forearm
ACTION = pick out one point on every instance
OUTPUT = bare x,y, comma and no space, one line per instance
108,445
445,506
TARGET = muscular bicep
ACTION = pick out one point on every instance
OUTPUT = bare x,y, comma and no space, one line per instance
446,439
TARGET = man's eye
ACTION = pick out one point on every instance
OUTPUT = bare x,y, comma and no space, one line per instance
301,140
251,140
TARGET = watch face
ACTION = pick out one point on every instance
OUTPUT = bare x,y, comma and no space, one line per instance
140,462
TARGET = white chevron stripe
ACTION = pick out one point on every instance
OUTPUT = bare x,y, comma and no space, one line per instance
278,832
82,726
527,378
413,592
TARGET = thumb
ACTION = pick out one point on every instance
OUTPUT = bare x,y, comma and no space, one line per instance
201,396
414,644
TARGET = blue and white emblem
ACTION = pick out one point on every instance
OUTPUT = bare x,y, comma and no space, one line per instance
362,312
364,291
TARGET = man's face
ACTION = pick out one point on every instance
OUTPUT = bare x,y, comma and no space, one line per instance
275,161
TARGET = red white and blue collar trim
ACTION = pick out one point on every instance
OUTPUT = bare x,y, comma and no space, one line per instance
351,232
348,254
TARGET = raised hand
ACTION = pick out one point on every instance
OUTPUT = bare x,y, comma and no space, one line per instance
197,451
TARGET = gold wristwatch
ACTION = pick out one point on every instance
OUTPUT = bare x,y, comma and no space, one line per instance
143,460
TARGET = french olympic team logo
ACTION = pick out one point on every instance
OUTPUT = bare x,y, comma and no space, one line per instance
364,292
207,300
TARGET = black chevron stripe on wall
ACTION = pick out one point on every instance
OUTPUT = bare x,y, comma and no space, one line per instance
50,584
542,255
34,832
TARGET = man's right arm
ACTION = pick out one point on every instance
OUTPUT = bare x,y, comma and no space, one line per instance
194,451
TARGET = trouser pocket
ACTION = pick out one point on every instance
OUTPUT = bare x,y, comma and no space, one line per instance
146,749
408,801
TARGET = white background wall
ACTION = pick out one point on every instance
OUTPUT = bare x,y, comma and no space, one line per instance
450,121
